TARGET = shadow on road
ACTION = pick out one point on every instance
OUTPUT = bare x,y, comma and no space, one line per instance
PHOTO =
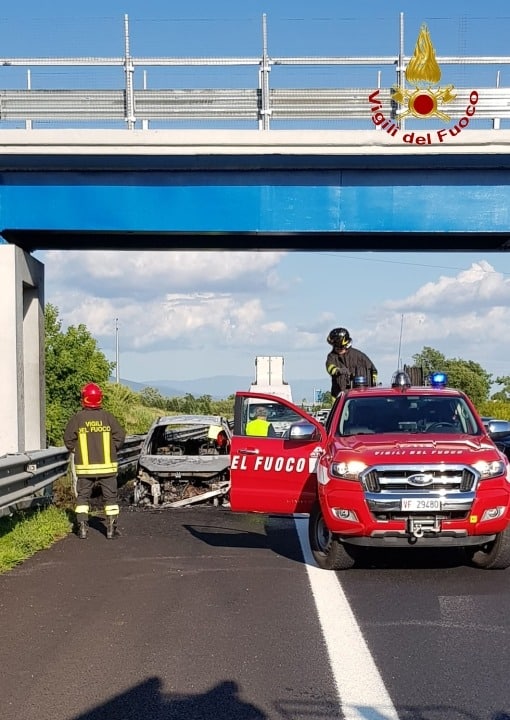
223,536
147,702
279,536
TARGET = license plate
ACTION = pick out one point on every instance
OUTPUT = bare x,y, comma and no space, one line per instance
419,504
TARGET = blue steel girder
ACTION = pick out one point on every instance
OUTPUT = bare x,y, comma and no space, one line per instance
355,202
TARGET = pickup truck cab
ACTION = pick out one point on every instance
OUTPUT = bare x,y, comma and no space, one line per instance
397,466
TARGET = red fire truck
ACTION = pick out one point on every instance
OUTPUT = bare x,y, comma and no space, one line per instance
398,466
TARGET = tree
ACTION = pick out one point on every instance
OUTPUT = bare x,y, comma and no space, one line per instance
204,405
469,377
151,397
465,375
430,360
327,399
72,359
504,393
129,409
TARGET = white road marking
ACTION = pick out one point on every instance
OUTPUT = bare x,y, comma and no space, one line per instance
362,693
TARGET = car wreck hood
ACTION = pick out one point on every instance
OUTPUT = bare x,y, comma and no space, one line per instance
185,464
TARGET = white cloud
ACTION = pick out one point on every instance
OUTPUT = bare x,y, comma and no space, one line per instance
466,316
146,274
480,284
234,307
219,310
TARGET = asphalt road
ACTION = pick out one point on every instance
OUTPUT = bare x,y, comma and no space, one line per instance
200,613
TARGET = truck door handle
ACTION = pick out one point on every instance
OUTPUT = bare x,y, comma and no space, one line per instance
249,451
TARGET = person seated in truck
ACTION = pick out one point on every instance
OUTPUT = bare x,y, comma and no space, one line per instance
442,416
260,426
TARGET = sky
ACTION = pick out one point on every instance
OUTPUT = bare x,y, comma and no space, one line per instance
187,315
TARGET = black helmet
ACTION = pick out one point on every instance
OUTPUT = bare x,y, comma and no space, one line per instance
339,337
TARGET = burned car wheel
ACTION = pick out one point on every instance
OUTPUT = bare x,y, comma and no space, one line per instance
494,555
329,552
141,495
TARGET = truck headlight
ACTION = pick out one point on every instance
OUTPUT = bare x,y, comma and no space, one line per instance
347,470
490,469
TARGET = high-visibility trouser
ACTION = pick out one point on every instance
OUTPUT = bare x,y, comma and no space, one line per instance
84,486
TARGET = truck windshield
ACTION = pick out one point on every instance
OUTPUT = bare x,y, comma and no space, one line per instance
407,414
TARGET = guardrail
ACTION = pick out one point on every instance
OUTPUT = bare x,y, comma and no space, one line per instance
341,104
26,479
130,451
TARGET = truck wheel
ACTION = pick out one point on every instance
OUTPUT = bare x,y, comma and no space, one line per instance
494,555
328,551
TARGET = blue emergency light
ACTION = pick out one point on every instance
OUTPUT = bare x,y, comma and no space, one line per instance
359,381
438,379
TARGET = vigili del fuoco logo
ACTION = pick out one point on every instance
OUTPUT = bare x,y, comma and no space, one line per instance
424,100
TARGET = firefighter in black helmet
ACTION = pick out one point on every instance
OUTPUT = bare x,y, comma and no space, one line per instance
344,363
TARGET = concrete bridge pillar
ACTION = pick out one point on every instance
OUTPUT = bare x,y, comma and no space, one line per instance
22,406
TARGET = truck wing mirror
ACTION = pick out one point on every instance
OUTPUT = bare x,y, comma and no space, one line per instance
303,431
498,428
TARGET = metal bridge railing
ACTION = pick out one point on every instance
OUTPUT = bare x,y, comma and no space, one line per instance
209,104
133,104
26,479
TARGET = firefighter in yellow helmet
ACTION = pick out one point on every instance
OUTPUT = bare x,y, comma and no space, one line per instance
94,436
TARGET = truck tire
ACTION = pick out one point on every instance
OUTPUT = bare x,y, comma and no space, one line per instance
327,549
494,555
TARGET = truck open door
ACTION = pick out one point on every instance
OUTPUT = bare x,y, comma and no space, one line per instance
274,474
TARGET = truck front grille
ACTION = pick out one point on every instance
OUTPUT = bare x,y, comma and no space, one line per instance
402,479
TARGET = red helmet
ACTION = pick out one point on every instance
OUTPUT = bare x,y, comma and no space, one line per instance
91,396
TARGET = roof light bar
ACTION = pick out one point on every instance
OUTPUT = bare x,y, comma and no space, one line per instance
438,379
400,380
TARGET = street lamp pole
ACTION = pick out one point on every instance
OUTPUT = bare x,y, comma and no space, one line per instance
117,369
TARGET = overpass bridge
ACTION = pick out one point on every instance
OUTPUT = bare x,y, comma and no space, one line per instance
424,171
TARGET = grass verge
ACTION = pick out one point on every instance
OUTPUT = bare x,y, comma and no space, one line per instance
25,533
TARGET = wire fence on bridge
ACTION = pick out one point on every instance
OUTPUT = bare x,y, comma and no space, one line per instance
265,90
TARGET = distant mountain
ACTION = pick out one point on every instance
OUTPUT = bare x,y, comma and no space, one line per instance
221,386
218,386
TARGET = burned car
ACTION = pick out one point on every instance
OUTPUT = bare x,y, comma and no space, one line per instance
185,459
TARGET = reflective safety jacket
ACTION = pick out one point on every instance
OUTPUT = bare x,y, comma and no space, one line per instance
260,428
94,436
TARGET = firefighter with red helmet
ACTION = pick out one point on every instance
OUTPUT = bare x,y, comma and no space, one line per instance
345,363
94,436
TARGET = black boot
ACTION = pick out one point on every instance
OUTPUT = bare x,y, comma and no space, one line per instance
111,527
82,530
